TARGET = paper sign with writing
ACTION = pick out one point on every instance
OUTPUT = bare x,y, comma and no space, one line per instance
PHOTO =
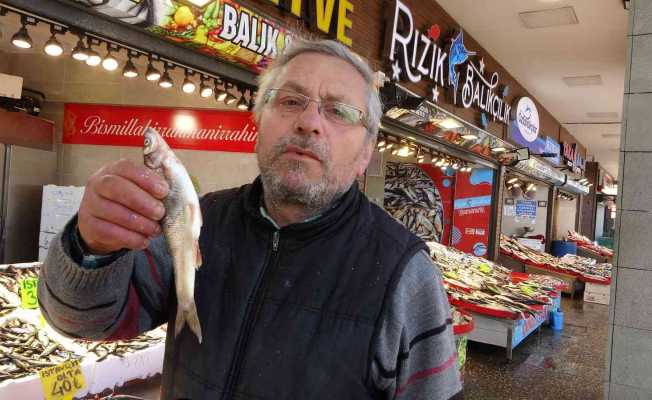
62,381
28,292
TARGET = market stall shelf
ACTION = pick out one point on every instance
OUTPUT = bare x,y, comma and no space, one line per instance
29,346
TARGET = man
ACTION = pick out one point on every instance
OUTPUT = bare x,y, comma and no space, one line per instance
307,290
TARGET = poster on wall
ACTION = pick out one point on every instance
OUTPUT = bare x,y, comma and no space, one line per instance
191,129
472,211
223,28
526,210
413,198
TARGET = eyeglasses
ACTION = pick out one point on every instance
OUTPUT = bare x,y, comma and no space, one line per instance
334,111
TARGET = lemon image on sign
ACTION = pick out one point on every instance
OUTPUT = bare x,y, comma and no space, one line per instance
183,16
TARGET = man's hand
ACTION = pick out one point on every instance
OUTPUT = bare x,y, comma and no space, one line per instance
121,207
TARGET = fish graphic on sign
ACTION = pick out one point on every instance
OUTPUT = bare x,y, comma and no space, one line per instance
458,55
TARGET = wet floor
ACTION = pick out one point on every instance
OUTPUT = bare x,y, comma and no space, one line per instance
555,365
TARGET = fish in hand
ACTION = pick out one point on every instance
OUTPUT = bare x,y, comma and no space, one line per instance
181,226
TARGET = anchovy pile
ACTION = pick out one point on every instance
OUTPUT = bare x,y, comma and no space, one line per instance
412,198
478,281
10,287
121,347
25,349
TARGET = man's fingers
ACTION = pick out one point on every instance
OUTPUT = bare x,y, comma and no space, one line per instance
106,236
125,192
145,178
120,215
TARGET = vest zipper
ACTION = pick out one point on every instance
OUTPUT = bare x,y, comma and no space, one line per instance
251,315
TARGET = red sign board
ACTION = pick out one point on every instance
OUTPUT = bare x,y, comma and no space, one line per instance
472,211
191,129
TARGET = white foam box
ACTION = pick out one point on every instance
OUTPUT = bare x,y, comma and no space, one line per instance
595,293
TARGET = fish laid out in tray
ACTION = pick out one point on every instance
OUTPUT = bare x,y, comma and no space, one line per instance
120,348
569,264
25,349
478,281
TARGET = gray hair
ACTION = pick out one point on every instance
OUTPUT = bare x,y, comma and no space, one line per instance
268,79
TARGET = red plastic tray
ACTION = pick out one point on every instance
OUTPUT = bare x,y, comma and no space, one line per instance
484,310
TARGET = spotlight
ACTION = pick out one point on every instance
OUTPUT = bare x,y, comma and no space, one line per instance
469,136
52,46
21,38
381,143
152,73
94,58
512,180
220,94
242,103
80,53
389,146
230,99
129,69
109,63
204,89
499,149
188,85
456,166
382,149
166,80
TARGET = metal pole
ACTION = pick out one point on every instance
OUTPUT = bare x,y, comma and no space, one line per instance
5,199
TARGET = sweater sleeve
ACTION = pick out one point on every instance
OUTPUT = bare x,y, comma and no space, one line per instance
416,354
119,300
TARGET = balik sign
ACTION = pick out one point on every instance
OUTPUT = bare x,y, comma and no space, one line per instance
572,157
416,55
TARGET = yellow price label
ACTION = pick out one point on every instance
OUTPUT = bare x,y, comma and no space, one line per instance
28,292
62,381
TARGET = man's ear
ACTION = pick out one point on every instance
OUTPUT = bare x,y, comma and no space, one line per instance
365,156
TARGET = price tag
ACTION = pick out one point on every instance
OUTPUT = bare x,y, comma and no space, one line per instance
62,381
484,268
28,290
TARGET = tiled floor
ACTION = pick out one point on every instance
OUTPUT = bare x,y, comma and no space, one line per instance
559,365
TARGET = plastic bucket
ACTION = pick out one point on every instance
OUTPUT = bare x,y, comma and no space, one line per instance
560,248
557,320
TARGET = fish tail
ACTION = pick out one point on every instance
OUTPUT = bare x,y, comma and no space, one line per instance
188,315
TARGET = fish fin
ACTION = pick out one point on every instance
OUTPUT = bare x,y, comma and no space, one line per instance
194,217
198,259
189,316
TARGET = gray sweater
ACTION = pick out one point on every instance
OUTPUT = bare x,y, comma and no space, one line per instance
416,354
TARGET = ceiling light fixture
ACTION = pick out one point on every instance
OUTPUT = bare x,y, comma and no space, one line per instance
498,149
21,39
109,62
230,98
166,81
79,52
512,180
52,47
152,73
243,104
129,69
205,90
469,136
188,86
220,94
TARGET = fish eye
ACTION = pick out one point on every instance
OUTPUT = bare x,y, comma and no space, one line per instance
147,142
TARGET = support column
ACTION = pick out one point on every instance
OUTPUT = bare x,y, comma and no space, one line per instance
629,357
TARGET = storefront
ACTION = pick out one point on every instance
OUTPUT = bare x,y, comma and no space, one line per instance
446,164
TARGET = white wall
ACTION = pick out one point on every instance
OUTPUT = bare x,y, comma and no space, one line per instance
510,225
565,217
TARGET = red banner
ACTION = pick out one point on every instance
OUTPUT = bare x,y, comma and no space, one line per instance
472,211
192,129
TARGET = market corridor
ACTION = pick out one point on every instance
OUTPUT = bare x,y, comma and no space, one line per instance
567,364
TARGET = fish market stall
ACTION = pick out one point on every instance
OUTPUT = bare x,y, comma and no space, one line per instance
34,358
574,270
589,249
505,307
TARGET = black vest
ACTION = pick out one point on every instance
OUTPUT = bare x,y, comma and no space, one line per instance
289,314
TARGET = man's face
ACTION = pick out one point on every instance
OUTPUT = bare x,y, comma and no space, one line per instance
304,157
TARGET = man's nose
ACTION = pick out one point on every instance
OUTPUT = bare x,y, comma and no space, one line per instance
309,120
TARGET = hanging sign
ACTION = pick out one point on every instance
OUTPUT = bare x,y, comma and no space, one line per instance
472,211
526,209
417,56
319,15
220,28
572,157
552,147
181,128
525,125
